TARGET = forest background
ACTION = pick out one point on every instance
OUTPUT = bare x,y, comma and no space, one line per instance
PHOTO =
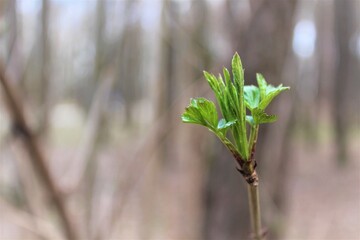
94,147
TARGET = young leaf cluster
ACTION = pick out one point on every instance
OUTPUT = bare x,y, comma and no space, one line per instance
233,99
258,98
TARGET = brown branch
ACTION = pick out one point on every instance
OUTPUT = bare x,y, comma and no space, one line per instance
21,128
35,198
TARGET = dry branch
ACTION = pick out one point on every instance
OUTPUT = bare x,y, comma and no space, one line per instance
21,129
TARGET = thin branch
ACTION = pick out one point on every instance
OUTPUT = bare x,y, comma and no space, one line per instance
35,198
254,205
21,129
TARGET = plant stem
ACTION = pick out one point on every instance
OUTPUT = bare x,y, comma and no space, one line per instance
254,205
253,137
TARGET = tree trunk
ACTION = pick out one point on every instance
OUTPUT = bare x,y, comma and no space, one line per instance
45,70
344,28
155,213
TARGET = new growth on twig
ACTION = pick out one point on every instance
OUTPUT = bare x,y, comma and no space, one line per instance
233,98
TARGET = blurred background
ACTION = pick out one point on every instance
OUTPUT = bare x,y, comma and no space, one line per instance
94,147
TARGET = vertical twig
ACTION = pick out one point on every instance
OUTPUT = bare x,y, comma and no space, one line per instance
254,205
21,128
253,190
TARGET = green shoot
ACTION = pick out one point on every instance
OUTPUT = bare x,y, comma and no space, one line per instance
233,98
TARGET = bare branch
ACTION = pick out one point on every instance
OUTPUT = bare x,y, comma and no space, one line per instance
21,129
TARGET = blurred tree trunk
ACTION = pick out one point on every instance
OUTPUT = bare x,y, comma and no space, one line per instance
99,39
155,198
45,70
12,24
325,51
130,68
127,74
166,80
186,167
15,62
353,87
263,45
97,118
344,28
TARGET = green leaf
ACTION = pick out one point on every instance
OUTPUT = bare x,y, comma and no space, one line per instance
251,96
228,81
223,124
226,75
267,91
271,93
219,88
260,116
240,131
250,120
238,72
201,111
191,115
213,82
262,85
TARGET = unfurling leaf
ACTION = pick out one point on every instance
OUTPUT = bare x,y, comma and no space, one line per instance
223,125
201,111
261,117
250,120
262,85
267,91
238,73
271,93
252,96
